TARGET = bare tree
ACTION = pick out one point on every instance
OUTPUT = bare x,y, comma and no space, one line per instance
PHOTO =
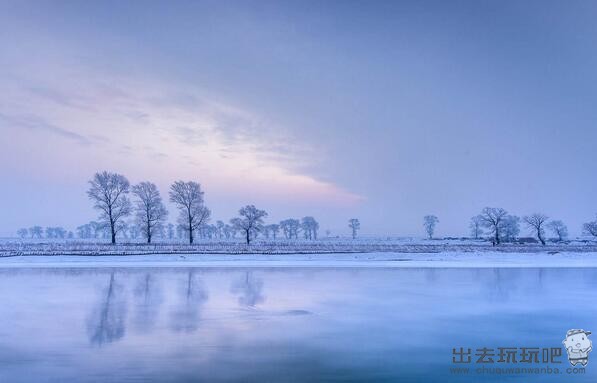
509,228
85,231
134,230
150,211
475,226
220,229
492,218
354,225
189,199
310,227
55,232
109,192
36,231
559,229
22,233
290,227
274,229
97,228
590,228
170,231
429,222
250,222
229,231
536,223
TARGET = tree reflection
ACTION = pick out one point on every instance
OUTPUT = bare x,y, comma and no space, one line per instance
148,298
186,317
106,324
250,290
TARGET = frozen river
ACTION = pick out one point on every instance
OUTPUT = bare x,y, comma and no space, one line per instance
291,324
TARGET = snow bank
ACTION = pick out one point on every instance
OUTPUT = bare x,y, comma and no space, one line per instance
13,248
384,259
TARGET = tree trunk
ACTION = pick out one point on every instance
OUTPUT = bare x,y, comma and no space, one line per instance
190,225
497,234
113,232
248,237
540,237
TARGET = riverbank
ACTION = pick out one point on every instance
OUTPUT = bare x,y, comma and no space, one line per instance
381,259
285,247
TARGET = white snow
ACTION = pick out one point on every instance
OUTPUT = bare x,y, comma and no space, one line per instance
485,259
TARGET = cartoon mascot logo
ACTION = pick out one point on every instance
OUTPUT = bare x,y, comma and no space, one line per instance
578,345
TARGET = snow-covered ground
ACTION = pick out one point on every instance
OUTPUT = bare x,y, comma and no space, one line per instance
280,247
382,259
327,252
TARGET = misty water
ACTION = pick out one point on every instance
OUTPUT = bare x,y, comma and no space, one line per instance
283,324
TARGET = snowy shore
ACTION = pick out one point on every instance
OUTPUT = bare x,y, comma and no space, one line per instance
384,259
230,248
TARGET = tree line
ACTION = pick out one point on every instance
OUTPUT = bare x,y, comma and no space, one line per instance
109,193
500,226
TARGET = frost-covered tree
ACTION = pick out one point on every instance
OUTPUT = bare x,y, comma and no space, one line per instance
285,227
134,230
97,228
22,233
429,223
85,231
274,229
475,226
124,229
559,229
509,228
208,231
220,229
290,227
492,218
250,221
180,231
590,228
36,231
109,192
536,222
55,232
150,212
354,225
266,231
229,231
189,199
170,230
309,226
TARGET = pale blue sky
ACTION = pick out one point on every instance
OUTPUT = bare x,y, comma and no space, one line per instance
386,111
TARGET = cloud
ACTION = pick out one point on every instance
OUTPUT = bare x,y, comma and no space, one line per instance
190,136
39,124
155,129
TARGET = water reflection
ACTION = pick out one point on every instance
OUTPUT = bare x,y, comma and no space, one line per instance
148,298
106,323
249,289
367,324
193,294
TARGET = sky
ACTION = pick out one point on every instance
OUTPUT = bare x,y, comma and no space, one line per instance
383,111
